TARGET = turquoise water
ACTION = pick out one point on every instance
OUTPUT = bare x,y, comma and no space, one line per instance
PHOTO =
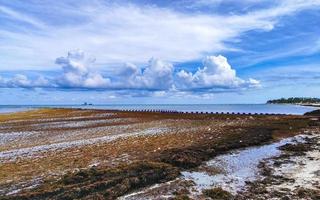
242,108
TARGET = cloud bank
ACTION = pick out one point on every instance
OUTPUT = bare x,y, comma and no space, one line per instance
158,76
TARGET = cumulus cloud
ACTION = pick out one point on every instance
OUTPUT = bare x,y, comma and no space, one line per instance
216,72
77,72
157,75
157,78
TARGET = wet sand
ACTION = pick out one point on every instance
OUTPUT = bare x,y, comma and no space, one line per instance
60,153
294,174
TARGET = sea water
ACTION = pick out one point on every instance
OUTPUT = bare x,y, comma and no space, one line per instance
236,108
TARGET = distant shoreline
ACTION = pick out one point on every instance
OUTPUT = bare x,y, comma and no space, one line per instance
220,108
302,101
296,104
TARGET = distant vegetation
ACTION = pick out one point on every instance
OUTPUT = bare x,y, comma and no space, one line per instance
295,100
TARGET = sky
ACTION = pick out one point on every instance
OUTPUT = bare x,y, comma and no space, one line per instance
158,52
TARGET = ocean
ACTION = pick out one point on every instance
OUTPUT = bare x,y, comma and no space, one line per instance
242,108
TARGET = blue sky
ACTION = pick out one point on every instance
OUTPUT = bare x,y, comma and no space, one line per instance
205,51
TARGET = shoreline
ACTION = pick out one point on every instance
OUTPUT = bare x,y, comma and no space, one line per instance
174,142
294,174
296,104
215,108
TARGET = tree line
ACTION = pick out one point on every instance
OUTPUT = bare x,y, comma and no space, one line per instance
295,100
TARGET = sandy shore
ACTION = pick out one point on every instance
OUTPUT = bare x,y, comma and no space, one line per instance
294,174
85,154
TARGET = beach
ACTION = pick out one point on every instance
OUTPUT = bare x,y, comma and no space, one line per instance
56,153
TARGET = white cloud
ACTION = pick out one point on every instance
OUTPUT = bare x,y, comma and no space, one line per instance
21,17
77,72
22,81
157,76
216,73
134,33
